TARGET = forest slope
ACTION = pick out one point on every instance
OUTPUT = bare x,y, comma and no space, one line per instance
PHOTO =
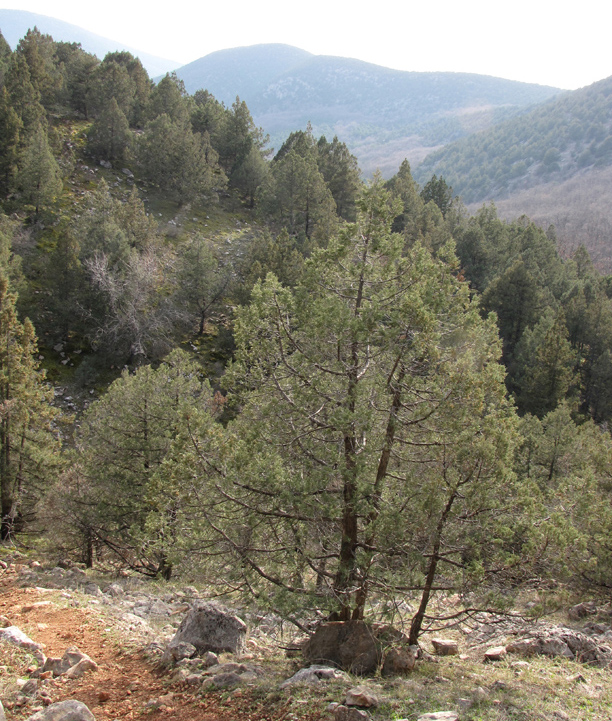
551,163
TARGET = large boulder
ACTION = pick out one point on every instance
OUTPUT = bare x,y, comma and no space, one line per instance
209,627
360,648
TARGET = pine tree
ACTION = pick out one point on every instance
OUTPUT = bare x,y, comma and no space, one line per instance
374,424
40,177
28,443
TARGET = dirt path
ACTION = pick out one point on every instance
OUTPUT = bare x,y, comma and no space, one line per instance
125,681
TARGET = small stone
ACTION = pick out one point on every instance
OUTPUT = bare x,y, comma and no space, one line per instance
103,696
495,654
360,696
439,716
479,694
445,647
225,680
344,713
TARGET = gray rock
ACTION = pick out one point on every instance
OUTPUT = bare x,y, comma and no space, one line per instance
360,696
30,687
439,716
179,651
495,654
445,647
16,636
73,664
2,714
209,627
224,680
344,713
70,710
314,675
560,641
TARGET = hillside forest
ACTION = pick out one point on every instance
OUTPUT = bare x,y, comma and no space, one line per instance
317,394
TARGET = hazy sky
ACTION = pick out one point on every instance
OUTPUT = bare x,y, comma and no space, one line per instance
540,41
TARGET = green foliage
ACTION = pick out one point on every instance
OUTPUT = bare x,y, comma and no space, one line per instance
180,162
128,503
201,283
10,126
39,177
374,420
439,192
28,441
555,139
297,196
109,137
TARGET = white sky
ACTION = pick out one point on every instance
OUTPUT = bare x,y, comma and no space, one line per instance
566,45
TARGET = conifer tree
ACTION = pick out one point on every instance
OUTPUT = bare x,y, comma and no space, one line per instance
39,178
28,443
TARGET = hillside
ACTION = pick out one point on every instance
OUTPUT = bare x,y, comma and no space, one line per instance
15,24
553,142
552,163
383,115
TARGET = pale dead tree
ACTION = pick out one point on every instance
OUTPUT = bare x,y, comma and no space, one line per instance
137,319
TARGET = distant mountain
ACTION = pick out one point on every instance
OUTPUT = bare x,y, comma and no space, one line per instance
553,163
14,24
383,115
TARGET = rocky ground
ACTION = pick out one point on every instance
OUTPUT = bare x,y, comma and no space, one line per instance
495,668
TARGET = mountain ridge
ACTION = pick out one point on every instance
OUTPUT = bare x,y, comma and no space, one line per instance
363,103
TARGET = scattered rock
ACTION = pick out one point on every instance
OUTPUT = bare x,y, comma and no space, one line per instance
179,651
344,713
357,647
445,647
563,642
360,696
582,610
497,653
439,716
314,675
30,687
70,710
209,627
73,664
14,635
224,680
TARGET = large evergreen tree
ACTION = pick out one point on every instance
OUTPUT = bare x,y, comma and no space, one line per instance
28,442
374,424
